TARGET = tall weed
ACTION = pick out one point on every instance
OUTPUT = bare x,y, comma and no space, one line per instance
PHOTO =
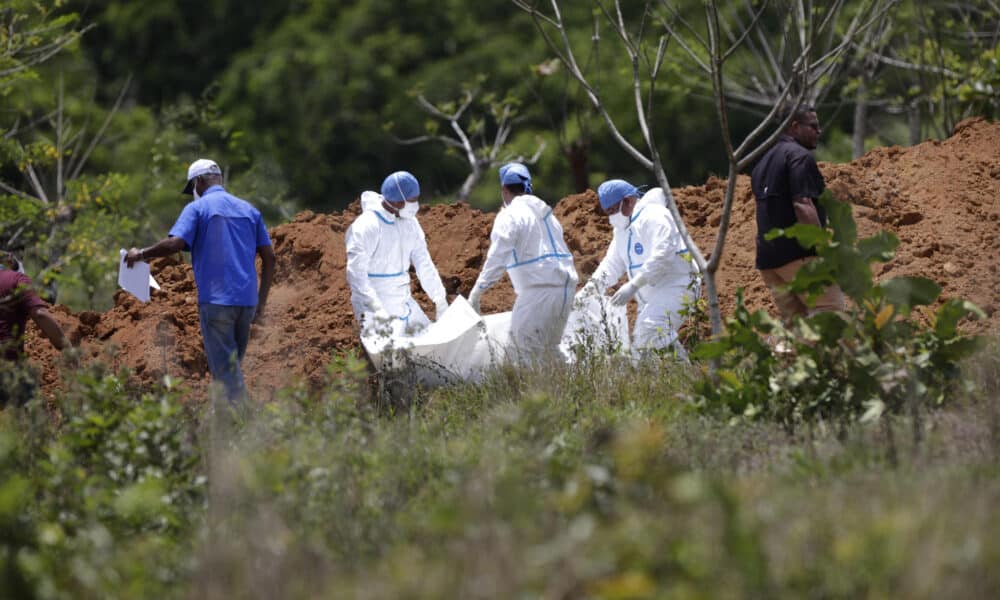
112,488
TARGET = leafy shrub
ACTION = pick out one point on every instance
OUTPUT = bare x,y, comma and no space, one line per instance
105,499
581,481
876,357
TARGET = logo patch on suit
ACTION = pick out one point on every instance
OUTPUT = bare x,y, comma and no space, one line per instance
638,248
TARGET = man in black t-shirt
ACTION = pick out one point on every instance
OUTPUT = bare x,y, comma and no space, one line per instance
786,183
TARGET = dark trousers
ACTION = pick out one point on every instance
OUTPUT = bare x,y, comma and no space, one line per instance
225,331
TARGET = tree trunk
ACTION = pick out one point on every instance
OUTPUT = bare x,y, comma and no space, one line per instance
578,154
58,245
715,260
469,184
860,120
914,122
712,297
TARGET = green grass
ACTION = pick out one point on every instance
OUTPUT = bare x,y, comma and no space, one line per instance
591,481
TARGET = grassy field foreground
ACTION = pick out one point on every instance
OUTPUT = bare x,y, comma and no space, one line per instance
590,481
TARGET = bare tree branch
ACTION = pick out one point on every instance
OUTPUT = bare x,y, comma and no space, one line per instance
684,44
747,155
808,52
13,239
60,136
25,55
738,42
442,139
479,153
632,49
567,57
36,183
82,160
15,192
902,64
698,39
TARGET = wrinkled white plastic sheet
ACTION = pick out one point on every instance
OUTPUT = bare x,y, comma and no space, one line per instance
462,345
594,325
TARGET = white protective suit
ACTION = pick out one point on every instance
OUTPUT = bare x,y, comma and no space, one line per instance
653,254
380,250
527,241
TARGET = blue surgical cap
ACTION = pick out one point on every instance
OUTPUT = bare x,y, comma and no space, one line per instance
514,174
400,186
613,191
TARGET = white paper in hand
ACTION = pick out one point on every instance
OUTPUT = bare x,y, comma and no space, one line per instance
137,279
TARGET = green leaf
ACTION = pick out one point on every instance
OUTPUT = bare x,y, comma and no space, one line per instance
15,494
874,411
809,236
814,275
829,325
906,292
852,273
730,378
948,316
141,501
839,218
880,247
960,348
710,350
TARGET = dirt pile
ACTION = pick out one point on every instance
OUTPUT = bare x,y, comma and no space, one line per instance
941,199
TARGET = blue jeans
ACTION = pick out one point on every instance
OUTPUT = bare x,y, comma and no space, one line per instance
225,331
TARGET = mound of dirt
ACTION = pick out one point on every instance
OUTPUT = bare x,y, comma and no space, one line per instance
940,198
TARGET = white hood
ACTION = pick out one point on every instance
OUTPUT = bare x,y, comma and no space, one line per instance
537,206
654,196
370,200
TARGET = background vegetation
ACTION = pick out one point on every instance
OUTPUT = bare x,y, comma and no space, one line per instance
303,103
862,463
599,480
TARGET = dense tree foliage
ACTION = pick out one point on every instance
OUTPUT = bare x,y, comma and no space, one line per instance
304,104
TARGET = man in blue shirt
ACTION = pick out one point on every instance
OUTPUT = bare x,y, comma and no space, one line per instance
224,234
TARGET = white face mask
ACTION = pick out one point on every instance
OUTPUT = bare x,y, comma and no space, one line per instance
618,220
409,210
194,190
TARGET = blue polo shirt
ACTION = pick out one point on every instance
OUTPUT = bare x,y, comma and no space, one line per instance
223,233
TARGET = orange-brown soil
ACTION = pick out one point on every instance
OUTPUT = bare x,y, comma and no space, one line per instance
940,198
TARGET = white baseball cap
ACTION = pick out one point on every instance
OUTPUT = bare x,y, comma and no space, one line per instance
202,166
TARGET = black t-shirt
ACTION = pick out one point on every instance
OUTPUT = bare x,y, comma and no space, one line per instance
787,171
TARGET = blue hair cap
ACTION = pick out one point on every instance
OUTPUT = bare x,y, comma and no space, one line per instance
514,174
613,191
400,186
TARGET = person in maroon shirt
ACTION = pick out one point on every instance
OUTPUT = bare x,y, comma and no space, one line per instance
18,303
